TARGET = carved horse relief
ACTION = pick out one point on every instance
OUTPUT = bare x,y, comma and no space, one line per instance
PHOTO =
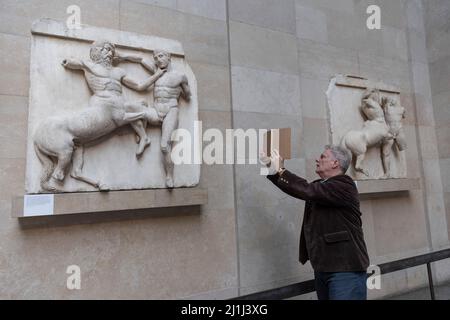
369,125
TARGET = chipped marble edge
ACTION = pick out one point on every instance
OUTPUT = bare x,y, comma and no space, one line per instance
363,83
58,29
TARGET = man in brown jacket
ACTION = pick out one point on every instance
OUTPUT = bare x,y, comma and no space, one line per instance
331,236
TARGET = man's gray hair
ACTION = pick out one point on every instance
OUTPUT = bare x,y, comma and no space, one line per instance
342,155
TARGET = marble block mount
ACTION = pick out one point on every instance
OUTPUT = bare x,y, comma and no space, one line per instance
366,118
103,106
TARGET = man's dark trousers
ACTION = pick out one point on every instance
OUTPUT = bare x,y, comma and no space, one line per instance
341,285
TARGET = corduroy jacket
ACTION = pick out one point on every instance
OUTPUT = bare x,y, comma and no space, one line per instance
331,236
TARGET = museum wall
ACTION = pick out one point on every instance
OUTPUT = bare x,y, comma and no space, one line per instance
437,17
258,64
283,54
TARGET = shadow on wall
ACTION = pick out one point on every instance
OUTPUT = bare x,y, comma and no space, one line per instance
102,217
384,195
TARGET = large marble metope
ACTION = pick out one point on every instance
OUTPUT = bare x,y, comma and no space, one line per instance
102,112
366,118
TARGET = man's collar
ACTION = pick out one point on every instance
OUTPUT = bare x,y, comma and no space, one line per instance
326,179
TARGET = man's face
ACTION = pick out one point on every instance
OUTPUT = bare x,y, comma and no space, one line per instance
162,60
326,164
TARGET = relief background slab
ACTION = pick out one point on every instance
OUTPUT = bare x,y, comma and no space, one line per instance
344,100
57,91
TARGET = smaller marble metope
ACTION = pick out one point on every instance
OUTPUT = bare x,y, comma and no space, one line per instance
366,118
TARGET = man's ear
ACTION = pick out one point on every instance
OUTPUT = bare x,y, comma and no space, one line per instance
335,164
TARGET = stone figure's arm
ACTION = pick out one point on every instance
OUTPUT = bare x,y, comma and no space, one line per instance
186,89
130,83
74,64
146,63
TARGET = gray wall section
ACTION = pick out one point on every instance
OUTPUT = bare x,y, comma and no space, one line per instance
258,64
437,24
330,37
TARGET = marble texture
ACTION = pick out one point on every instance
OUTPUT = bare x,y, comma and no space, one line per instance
311,24
269,14
16,17
13,120
261,48
15,80
261,91
204,40
322,60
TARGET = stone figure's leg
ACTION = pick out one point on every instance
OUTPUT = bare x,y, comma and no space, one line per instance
143,140
133,116
359,144
356,143
139,126
47,168
139,129
152,117
358,164
386,149
64,160
170,123
400,140
77,167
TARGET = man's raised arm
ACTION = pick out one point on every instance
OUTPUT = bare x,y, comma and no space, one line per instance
331,192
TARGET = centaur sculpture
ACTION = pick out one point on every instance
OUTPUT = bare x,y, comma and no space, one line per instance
59,140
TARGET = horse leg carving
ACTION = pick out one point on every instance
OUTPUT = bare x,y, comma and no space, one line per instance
48,166
77,167
64,159
386,156
358,164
